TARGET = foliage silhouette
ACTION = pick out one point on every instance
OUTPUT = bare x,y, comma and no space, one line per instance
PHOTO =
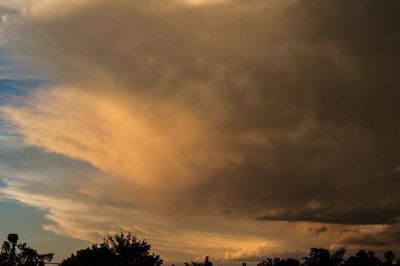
363,258
22,255
323,257
126,250
279,262
206,262
117,250
389,257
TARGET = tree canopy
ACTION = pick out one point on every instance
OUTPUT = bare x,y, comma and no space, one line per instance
325,257
117,250
22,255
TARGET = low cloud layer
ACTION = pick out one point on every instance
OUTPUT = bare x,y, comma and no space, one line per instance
378,237
238,109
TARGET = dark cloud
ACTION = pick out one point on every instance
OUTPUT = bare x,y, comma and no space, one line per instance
316,231
381,237
385,213
303,96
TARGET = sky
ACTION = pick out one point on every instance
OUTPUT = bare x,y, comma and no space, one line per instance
230,128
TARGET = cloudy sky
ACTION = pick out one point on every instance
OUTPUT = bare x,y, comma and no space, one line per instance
237,129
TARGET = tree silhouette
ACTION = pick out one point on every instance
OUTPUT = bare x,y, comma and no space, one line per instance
363,258
117,250
389,257
13,254
323,257
279,262
206,262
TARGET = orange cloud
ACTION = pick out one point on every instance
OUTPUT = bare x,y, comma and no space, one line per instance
235,110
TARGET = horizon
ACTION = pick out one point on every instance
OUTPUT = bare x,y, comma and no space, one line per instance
344,255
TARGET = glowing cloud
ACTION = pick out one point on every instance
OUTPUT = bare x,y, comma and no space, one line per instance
236,110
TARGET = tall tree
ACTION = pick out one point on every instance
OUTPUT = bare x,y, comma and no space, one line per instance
117,250
323,257
389,257
13,254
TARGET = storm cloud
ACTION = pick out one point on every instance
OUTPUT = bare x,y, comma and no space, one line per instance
267,111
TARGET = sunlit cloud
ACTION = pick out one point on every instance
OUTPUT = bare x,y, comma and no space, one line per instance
213,122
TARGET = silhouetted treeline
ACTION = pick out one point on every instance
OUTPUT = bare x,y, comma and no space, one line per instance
324,257
126,250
